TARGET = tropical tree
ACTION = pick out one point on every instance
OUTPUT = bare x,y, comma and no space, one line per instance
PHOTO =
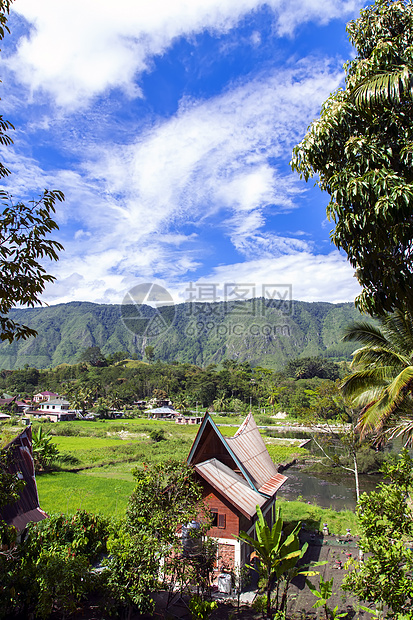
150,352
181,402
385,518
361,150
82,397
382,378
24,238
93,356
274,395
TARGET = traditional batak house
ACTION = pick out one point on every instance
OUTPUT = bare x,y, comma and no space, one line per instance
237,474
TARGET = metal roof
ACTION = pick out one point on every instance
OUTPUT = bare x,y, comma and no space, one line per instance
240,468
231,485
26,508
208,425
165,409
250,449
273,484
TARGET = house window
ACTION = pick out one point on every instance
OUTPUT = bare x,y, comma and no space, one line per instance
221,521
218,520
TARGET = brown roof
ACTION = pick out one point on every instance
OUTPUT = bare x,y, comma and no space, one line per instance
230,484
273,484
27,507
249,447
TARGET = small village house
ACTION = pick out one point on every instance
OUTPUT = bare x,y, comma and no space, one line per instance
41,397
193,419
237,474
164,412
55,410
14,405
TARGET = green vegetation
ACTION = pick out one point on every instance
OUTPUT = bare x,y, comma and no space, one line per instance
278,553
51,568
299,330
230,390
313,517
382,378
361,150
385,518
66,492
99,454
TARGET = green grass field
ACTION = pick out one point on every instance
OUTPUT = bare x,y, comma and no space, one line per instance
65,492
107,451
314,517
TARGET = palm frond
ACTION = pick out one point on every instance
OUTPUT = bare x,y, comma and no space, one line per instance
370,395
385,88
366,357
374,416
367,333
365,379
403,429
401,385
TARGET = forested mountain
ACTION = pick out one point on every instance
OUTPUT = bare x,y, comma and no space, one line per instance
263,332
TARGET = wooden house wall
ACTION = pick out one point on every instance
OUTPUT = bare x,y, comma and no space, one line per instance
212,447
232,515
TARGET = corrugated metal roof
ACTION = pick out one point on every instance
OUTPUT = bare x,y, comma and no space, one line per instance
250,449
35,515
231,485
27,506
273,484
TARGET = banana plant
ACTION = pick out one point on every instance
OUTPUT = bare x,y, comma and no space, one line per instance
44,451
278,555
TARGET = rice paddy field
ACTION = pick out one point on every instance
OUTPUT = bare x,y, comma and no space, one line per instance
98,476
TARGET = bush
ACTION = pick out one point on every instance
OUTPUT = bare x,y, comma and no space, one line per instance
157,435
51,570
83,533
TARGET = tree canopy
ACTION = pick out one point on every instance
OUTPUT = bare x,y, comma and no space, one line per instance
361,148
24,238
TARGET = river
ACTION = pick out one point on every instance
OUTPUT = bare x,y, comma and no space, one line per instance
336,491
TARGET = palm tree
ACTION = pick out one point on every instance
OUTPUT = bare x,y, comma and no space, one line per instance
382,381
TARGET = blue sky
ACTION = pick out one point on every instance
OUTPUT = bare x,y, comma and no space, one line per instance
169,126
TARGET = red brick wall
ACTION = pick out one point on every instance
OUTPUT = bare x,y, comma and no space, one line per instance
226,557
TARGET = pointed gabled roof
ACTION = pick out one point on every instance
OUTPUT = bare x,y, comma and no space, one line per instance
245,455
209,443
250,449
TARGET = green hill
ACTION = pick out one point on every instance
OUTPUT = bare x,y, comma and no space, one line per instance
257,330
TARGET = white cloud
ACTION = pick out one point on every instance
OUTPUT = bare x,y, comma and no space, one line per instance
213,157
206,167
78,49
312,277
